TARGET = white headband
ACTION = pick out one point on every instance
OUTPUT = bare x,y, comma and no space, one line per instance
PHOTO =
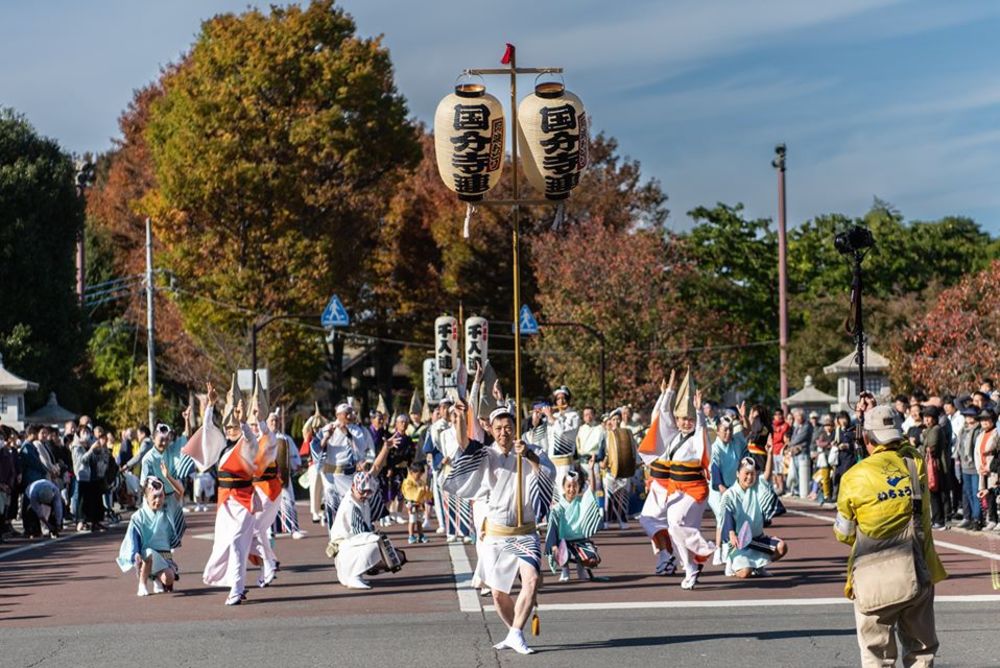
503,411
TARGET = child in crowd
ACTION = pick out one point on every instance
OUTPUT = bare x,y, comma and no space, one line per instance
147,541
821,487
416,493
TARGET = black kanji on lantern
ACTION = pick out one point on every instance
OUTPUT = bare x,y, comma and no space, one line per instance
560,141
470,140
470,162
474,183
472,117
561,184
561,163
558,118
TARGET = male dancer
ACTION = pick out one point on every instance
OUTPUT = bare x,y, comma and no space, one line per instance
510,546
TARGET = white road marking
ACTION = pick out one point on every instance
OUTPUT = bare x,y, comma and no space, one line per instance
938,543
468,597
735,603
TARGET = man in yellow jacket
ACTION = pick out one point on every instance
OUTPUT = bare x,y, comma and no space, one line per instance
877,502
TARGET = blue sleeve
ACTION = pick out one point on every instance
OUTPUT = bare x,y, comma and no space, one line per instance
315,451
728,523
716,475
428,446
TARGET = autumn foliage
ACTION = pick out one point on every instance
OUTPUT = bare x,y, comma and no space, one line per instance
958,341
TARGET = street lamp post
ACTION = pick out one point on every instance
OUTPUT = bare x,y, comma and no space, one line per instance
84,179
779,164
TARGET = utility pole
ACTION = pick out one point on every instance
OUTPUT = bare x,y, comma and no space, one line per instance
150,329
779,164
84,179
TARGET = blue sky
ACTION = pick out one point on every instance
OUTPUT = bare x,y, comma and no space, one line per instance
889,98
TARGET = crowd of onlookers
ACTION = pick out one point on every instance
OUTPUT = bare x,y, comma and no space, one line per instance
956,434
84,475
80,474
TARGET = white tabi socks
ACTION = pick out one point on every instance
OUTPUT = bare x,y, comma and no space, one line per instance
515,641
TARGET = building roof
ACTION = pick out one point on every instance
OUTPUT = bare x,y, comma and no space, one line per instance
809,395
12,383
50,413
873,362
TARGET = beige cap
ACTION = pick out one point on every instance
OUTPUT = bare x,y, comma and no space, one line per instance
880,423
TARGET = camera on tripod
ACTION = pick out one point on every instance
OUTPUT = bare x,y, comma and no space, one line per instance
853,239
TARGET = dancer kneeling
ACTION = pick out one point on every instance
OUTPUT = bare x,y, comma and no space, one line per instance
358,548
750,549
572,523
147,541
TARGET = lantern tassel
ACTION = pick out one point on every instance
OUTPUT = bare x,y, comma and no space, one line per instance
536,623
469,211
557,222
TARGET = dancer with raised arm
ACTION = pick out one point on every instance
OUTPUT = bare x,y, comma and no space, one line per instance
676,450
235,453
509,546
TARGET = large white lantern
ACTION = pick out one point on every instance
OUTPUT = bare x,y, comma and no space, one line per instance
446,345
469,141
554,139
477,343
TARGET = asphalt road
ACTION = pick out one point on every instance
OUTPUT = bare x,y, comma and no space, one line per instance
64,603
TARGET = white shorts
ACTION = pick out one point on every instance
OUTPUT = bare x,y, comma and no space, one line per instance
500,559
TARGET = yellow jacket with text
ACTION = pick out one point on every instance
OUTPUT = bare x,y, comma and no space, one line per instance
875,497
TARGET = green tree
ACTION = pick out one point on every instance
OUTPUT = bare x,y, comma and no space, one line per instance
737,286
276,144
40,219
909,265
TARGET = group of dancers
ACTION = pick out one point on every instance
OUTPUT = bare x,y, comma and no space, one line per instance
540,495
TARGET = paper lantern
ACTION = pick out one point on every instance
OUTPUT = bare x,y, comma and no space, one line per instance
469,141
433,391
553,139
477,342
446,345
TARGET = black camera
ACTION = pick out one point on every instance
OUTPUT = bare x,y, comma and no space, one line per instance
854,239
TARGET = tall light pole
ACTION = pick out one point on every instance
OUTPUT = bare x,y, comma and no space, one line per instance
150,328
779,164
84,179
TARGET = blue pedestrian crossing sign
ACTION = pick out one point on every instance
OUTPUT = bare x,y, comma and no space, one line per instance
526,321
335,315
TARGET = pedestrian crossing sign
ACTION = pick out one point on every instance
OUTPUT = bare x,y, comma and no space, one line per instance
526,321
335,315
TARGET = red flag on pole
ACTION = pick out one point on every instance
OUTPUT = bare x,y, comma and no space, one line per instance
507,55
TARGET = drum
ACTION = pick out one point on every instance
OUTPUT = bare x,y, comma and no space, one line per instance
393,558
621,453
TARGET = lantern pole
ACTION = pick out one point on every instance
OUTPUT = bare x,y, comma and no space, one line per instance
516,243
512,71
